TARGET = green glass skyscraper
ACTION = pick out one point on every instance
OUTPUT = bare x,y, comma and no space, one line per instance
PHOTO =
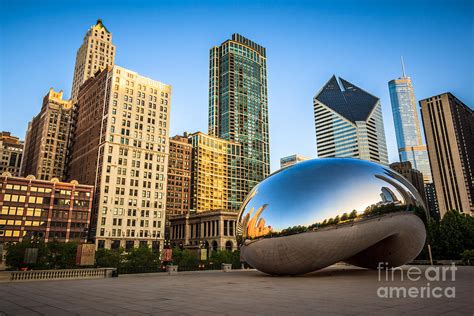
238,105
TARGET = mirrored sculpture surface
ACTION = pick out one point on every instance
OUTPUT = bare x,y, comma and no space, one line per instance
322,211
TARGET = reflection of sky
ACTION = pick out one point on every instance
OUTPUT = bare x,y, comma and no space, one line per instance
315,190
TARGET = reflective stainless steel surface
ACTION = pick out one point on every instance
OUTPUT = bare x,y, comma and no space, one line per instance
286,218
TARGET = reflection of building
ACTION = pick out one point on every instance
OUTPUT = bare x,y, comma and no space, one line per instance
449,130
121,146
238,106
214,230
387,195
291,160
44,209
11,150
407,126
179,176
47,138
349,122
217,175
96,53
414,176
431,201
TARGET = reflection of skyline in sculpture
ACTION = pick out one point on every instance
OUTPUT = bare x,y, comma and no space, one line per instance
322,211
256,224
387,195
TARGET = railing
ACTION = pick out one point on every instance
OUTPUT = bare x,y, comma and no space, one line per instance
18,276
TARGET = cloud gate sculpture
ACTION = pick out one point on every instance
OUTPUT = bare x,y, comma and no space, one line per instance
322,211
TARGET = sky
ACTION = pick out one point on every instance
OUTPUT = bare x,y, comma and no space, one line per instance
307,42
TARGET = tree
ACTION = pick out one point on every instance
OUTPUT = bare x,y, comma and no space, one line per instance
184,257
142,258
344,217
62,255
353,214
15,257
107,258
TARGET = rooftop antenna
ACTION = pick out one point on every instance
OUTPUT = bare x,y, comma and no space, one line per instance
403,67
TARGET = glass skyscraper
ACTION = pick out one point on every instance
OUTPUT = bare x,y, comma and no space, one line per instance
238,105
407,126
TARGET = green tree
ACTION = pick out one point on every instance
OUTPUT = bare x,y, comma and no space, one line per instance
15,258
344,217
184,257
353,214
62,255
142,258
108,258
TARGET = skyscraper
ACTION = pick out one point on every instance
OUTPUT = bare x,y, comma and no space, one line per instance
47,139
217,176
449,131
11,151
121,147
349,122
178,197
96,53
407,126
238,106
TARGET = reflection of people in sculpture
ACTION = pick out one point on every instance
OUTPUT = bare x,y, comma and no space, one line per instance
255,225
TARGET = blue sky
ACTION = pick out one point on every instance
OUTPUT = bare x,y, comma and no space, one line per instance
306,41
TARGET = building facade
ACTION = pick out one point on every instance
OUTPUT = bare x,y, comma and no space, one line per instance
96,53
47,139
407,126
211,230
121,147
413,175
291,160
48,210
178,197
238,103
449,131
11,153
349,122
217,178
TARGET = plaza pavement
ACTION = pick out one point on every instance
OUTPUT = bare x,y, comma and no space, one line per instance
339,289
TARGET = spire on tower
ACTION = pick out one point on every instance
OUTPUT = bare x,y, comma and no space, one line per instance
403,67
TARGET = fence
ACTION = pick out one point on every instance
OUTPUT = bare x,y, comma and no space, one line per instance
66,274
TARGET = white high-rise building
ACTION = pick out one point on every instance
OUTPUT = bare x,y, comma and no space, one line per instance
96,53
121,145
349,122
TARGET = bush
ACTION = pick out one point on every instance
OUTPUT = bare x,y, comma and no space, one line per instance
185,257
62,255
143,258
467,257
226,256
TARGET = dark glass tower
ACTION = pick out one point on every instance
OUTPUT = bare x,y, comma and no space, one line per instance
238,106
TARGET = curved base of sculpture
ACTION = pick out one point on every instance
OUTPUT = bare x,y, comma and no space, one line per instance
392,240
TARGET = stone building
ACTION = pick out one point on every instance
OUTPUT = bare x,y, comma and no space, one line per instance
121,147
11,152
47,139
213,230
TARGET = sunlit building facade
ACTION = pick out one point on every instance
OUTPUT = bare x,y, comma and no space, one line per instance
121,146
11,153
238,103
96,53
349,122
48,210
449,131
47,138
217,176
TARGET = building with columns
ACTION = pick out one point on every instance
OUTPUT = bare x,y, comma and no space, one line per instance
213,230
